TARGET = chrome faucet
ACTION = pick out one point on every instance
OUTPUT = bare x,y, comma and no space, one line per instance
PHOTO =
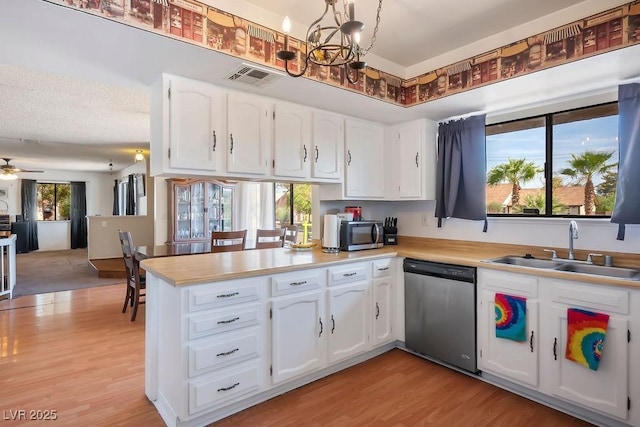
573,234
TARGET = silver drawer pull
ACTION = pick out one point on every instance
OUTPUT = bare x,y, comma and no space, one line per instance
349,274
383,268
228,321
233,294
304,282
226,353
229,388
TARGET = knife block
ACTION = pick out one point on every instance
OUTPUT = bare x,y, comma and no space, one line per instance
390,236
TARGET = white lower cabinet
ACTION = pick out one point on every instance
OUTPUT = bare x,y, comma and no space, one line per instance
382,288
539,362
298,330
513,360
348,320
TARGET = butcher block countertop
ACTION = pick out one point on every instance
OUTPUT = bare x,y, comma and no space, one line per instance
205,268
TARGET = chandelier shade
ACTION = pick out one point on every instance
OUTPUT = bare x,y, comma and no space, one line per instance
331,40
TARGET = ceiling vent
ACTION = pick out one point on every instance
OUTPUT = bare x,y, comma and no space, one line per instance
253,75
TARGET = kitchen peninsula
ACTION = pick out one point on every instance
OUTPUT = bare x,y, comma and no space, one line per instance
227,331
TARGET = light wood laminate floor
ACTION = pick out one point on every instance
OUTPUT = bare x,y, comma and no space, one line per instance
75,353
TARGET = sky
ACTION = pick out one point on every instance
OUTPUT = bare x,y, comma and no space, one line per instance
599,134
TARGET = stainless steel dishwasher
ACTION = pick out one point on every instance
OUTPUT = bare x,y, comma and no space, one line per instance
440,312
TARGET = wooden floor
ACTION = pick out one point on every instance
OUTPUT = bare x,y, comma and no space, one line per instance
76,354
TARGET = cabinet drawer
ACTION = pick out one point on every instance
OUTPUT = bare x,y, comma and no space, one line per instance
348,273
382,267
219,295
295,282
203,324
216,389
511,283
206,357
603,298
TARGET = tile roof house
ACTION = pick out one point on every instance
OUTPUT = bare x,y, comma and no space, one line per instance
500,195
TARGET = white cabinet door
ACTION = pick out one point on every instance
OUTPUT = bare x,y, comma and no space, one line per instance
605,390
249,134
509,359
409,168
348,321
298,331
292,141
328,146
196,125
364,159
382,311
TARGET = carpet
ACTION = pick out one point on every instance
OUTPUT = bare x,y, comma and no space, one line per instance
54,271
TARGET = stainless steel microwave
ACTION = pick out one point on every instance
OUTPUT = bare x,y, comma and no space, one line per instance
357,235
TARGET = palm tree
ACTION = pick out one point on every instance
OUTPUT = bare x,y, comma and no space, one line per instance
513,172
583,168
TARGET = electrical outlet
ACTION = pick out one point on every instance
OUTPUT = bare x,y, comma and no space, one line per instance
425,219
104,224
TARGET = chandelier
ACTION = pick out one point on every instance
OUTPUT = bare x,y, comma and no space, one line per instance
335,42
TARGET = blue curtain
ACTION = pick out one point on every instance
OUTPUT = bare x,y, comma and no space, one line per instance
131,196
78,215
30,210
461,170
116,205
627,207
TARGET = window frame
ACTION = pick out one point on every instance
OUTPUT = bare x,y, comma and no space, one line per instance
55,199
548,171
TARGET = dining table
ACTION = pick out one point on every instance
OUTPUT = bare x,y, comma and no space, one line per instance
171,249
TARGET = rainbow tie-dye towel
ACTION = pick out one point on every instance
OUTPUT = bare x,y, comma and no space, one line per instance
585,336
511,317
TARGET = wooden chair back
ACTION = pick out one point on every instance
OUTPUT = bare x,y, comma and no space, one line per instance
228,241
270,238
135,280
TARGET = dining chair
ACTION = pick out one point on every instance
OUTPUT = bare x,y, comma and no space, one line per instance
270,238
228,241
290,234
136,282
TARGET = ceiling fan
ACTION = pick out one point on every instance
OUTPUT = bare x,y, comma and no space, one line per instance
9,171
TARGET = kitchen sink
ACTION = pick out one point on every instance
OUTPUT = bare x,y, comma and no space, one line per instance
568,266
599,270
526,262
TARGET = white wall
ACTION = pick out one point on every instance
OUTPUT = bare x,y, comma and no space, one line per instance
594,234
56,235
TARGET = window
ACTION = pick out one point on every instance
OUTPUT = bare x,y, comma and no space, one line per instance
575,151
54,201
293,205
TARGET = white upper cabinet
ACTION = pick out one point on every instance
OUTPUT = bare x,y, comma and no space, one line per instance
410,161
248,134
328,146
364,177
188,126
292,141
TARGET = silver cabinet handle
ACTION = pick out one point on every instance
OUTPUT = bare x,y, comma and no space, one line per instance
305,153
233,294
417,165
321,327
383,268
333,322
231,137
229,388
303,282
377,310
222,322
317,153
215,140
348,157
349,274
226,353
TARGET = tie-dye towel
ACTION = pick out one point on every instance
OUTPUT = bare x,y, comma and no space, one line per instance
511,317
585,336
